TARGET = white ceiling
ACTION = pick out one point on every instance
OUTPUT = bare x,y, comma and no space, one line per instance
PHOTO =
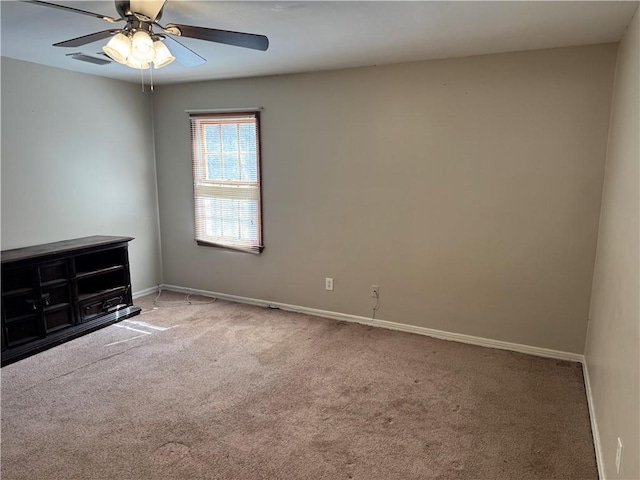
312,35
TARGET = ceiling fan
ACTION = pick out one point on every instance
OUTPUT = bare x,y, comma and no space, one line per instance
138,46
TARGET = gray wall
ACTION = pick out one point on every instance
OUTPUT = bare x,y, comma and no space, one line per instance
613,342
77,160
468,189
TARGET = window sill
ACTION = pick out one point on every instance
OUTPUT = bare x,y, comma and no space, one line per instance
254,250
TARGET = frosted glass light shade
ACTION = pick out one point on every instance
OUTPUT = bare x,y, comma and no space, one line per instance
118,48
135,63
163,55
142,47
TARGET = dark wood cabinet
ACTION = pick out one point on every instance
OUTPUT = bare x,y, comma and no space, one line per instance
55,292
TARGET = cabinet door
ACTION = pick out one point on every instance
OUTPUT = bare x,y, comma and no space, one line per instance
21,319
55,295
57,308
22,330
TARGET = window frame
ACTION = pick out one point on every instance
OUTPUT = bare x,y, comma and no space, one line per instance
255,247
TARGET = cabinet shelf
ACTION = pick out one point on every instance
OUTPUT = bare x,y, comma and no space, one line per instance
54,283
24,340
17,291
20,318
101,271
56,307
87,296
56,329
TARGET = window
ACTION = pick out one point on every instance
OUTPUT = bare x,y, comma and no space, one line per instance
226,180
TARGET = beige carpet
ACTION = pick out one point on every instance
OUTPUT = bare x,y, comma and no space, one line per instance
229,391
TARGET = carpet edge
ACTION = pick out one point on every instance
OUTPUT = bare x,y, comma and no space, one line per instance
429,332
594,423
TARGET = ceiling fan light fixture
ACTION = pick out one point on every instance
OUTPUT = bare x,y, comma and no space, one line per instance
118,48
142,47
163,55
137,46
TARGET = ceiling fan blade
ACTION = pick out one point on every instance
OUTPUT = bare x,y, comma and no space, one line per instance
239,39
148,8
92,37
73,10
184,55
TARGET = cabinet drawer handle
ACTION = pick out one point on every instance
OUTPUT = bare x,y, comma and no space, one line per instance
112,301
92,306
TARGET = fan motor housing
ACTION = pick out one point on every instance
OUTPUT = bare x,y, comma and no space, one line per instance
123,7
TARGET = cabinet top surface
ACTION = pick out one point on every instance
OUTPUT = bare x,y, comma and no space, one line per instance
65,246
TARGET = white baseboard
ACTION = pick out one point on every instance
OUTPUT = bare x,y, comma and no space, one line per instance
594,424
146,291
429,332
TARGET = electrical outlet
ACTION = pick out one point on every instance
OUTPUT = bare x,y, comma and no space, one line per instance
328,283
375,291
618,455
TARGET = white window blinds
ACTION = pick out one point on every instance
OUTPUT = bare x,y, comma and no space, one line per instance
226,180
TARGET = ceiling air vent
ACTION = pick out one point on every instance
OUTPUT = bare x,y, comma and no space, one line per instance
86,58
